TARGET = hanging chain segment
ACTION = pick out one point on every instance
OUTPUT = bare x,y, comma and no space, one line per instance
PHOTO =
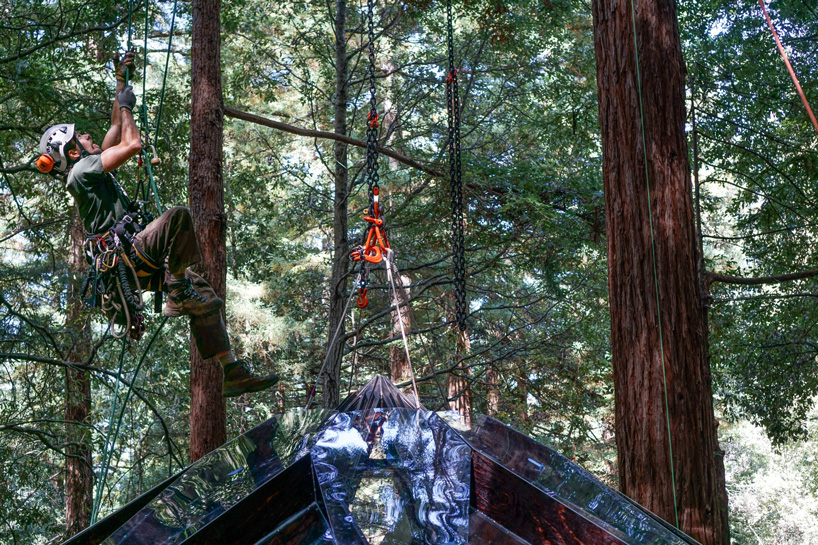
456,178
374,241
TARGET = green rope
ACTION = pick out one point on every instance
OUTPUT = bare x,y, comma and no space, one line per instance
103,472
165,75
144,113
655,268
129,44
110,438
110,441
143,109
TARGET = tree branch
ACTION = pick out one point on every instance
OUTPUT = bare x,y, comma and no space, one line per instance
72,34
711,277
292,129
33,226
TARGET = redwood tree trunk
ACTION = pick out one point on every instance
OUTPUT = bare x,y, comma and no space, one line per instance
641,425
340,261
207,409
79,475
493,394
399,364
460,394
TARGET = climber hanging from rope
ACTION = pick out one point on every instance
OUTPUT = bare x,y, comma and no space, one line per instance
125,244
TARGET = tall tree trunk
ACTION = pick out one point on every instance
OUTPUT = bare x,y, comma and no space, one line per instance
460,394
79,475
642,432
207,409
340,261
399,364
522,390
493,395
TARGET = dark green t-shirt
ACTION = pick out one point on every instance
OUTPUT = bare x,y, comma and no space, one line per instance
98,195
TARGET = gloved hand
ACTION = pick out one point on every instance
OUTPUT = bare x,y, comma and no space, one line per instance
126,98
123,65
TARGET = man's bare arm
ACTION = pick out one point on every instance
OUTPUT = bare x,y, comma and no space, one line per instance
114,135
130,142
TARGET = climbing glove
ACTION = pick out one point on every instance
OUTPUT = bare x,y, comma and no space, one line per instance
126,98
124,66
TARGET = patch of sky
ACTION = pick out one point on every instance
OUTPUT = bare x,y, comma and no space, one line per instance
718,28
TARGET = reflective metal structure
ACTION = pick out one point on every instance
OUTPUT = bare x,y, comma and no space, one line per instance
379,471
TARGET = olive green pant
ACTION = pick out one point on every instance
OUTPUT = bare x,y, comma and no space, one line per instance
169,241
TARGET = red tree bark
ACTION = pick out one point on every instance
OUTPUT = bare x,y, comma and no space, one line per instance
207,409
79,475
460,394
331,380
641,425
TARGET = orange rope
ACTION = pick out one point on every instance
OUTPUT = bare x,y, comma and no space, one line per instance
789,66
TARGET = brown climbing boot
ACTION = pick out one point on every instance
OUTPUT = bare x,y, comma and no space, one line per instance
183,300
239,380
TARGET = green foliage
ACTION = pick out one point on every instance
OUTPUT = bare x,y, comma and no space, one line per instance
773,491
758,153
535,233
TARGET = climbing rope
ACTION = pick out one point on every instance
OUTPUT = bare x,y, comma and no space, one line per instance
106,451
789,66
390,266
116,260
455,178
148,158
655,267
113,428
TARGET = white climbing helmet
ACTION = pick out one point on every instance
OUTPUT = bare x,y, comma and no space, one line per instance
52,148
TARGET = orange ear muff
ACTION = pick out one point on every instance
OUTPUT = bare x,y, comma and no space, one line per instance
45,163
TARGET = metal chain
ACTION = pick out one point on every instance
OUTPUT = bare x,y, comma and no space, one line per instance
372,177
456,178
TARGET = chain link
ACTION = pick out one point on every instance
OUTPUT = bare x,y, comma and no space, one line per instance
372,176
456,178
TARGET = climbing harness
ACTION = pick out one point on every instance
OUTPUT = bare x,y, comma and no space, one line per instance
120,270
117,269
455,178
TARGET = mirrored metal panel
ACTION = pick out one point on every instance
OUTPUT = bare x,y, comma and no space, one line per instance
220,479
394,476
571,484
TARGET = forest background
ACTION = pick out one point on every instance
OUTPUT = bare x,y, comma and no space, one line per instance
539,354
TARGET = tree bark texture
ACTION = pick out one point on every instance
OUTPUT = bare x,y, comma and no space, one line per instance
79,475
641,425
460,394
493,394
340,262
207,409
398,363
